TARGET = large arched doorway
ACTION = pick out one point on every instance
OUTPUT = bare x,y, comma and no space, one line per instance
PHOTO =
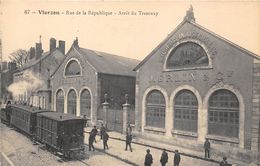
72,102
185,111
223,114
155,109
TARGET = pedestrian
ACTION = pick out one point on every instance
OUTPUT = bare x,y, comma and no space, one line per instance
164,158
224,162
91,141
102,130
207,148
128,141
105,139
148,158
94,131
129,129
177,158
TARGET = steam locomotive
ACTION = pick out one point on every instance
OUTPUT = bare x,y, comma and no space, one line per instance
60,132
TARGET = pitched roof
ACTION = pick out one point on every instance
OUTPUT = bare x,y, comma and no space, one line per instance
36,61
108,63
201,28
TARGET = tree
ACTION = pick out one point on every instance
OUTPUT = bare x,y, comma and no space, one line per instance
20,57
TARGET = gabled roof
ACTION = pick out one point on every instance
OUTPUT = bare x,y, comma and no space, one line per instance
109,64
36,61
201,28
105,63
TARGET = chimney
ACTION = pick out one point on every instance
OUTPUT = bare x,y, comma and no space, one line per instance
11,65
76,43
62,46
38,50
32,53
52,44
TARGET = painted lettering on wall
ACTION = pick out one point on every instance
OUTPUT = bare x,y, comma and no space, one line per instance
187,36
174,77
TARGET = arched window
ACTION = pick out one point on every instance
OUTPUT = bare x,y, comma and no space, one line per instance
185,55
72,104
223,114
60,101
72,68
185,111
155,109
85,103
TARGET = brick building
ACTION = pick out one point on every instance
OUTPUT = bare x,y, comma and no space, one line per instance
196,84
36,71
82,79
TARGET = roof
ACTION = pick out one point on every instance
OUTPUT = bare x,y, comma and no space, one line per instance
58,116
28,108
33,62
108,63
104,62
201,28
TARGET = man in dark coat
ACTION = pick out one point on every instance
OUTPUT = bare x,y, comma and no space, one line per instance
102,130
148,158
207,148
105,139
164,158
94,131
177,158
91,141
128,141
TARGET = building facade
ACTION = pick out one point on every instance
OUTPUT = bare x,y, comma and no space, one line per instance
34,76
196,85
82,79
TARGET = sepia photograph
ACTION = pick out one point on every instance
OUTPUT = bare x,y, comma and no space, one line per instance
129,83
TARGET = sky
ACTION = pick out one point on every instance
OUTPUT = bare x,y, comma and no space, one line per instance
133,36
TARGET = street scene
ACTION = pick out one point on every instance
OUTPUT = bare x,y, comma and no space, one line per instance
114,84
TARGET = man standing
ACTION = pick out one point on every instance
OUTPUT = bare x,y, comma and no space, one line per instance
102,130
207,148
90,141
148,158
164,158
105,139
128,141
94,131
177,158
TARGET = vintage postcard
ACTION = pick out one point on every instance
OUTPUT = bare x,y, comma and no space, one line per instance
117,83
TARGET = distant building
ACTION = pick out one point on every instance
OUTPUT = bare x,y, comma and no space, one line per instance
196,84
82,79
6,79
38,70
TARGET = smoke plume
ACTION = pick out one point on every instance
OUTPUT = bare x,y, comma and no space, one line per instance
29,82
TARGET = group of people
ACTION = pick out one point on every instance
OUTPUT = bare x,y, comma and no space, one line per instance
164,158
148,157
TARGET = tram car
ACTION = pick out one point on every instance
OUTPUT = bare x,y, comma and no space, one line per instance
61,132
23,118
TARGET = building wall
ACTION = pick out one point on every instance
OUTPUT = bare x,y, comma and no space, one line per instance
86,80
229,68
42,71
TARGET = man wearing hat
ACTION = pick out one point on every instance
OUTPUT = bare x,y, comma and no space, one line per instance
207,148
164,158
148,158
177,158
